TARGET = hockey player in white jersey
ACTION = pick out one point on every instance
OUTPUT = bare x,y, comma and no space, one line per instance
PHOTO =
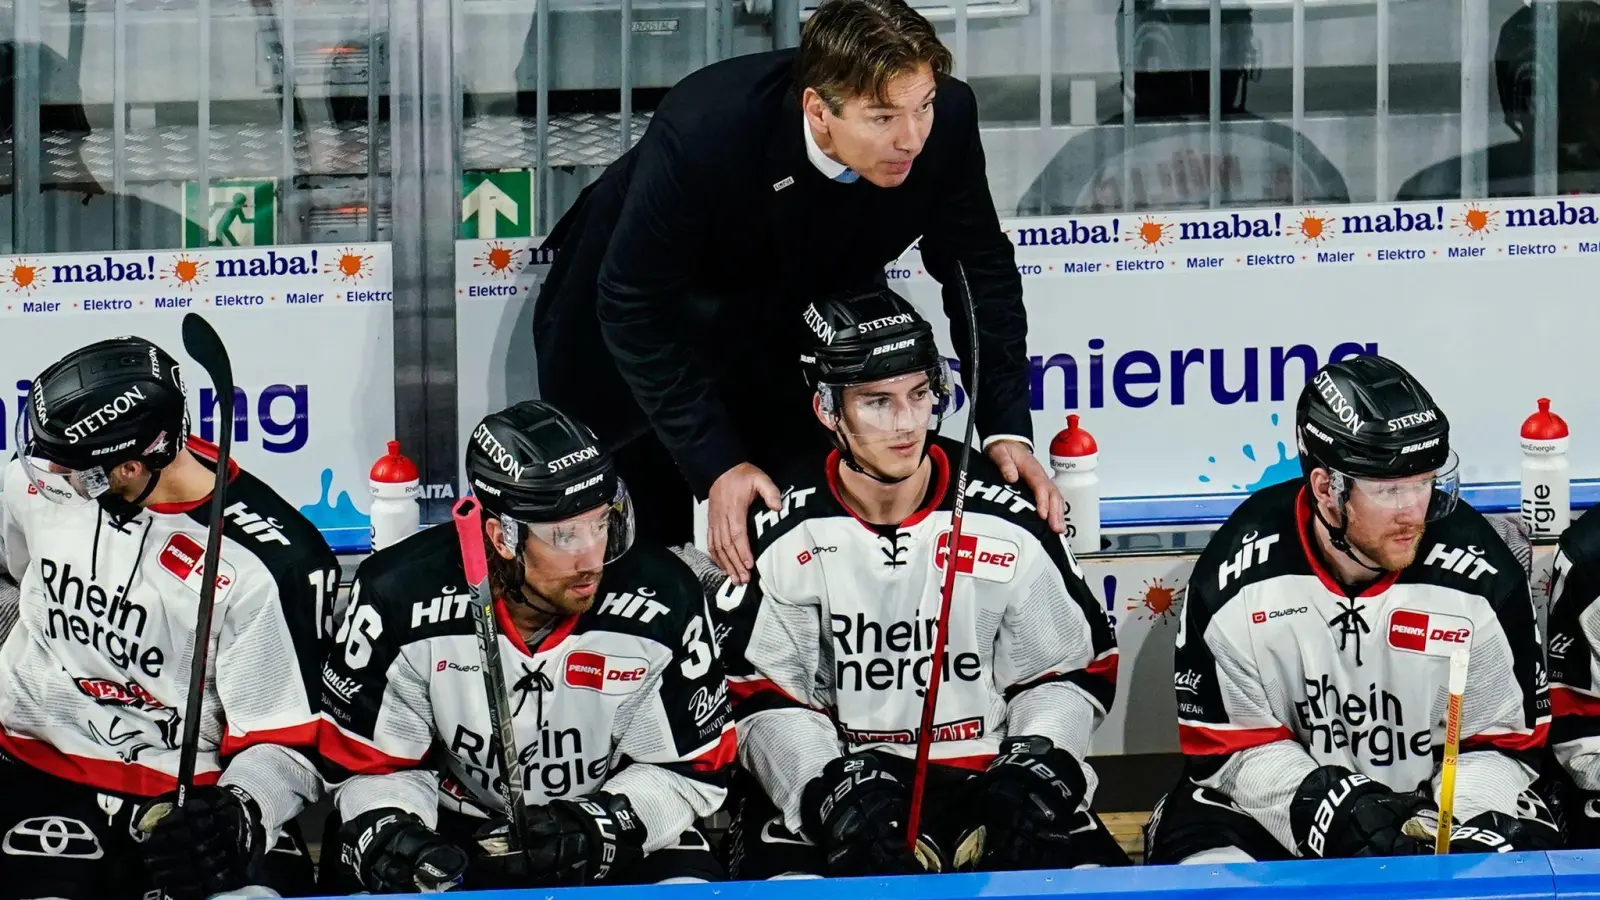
829,644
1312,659
618,699
104,518
1573,647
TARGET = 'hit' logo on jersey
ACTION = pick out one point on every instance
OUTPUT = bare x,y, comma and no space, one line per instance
630,605
1460,561
263,530
998,494
1432,634
980,556
1254,551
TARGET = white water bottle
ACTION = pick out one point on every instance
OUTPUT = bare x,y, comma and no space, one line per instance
1074,457
395,488
1546,480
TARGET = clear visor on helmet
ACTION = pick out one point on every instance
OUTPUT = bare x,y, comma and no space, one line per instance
55,482
1433,495
890,410
607,528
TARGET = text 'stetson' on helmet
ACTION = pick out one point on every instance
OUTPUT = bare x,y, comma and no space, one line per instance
533,463
110,402
859,336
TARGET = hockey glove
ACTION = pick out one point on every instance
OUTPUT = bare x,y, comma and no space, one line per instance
566,842
392,852
1025,805
1494,832
855,811
1339,813
205,848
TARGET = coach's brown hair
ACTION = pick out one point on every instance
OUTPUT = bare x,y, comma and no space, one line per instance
853,48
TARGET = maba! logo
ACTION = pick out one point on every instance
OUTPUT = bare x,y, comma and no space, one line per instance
1476,221
351,266
185,272
1313,227
1150,233
500,260
24,276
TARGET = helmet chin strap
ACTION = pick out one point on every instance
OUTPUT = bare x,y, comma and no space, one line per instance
1336,537
123,511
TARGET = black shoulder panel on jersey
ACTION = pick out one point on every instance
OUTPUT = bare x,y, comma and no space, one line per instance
1260,540
989,493
418,586
649,592
1580,543
806,495
1462,551
303,568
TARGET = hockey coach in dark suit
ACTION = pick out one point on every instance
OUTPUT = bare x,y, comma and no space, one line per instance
762,181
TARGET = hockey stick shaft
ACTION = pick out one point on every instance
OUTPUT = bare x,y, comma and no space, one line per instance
468,516
1452,750
930,701
205,347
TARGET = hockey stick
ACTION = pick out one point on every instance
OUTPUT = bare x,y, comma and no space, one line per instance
203,345
1447,770
468,515
969,379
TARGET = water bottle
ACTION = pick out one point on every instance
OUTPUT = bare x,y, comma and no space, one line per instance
395,489
1546,481
1074,456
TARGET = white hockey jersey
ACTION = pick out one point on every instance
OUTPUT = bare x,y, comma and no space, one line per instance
829,646
94,677
1574,628
1278,671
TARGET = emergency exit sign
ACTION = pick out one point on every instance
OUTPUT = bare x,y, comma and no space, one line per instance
497,204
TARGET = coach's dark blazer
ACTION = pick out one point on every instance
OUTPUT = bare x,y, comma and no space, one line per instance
682,272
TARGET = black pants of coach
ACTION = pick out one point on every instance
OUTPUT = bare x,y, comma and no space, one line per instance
690,858
63,839
760,847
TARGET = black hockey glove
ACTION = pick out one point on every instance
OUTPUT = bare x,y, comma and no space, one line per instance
1494,832
1024,807
392,852
1339,813
566,842
856,812
205,848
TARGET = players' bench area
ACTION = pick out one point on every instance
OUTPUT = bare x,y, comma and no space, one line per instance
1505,876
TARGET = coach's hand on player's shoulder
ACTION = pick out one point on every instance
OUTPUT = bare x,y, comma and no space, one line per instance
729,505
586,840
203,848
392,852
856,812
1016,460
1025,805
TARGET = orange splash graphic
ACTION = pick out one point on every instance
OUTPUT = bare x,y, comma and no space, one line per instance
25,277
500,260
1157,600
1476,221
1313,227
185,271
1151,234
350,266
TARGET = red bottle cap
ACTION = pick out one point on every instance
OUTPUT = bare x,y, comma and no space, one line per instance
1544,425
1074,441
394,468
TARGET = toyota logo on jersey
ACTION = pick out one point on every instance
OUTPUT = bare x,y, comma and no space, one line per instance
606,674
980,556
1432,634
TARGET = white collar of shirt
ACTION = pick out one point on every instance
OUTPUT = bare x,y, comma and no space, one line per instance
829,168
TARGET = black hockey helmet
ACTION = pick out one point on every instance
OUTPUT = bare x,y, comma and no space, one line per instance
111,402
535,468
861,336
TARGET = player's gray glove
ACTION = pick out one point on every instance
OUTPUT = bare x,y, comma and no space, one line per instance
392,852
565,842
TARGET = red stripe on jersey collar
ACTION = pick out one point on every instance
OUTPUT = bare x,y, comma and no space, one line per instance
941,474
208,452
514,634
1302,515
